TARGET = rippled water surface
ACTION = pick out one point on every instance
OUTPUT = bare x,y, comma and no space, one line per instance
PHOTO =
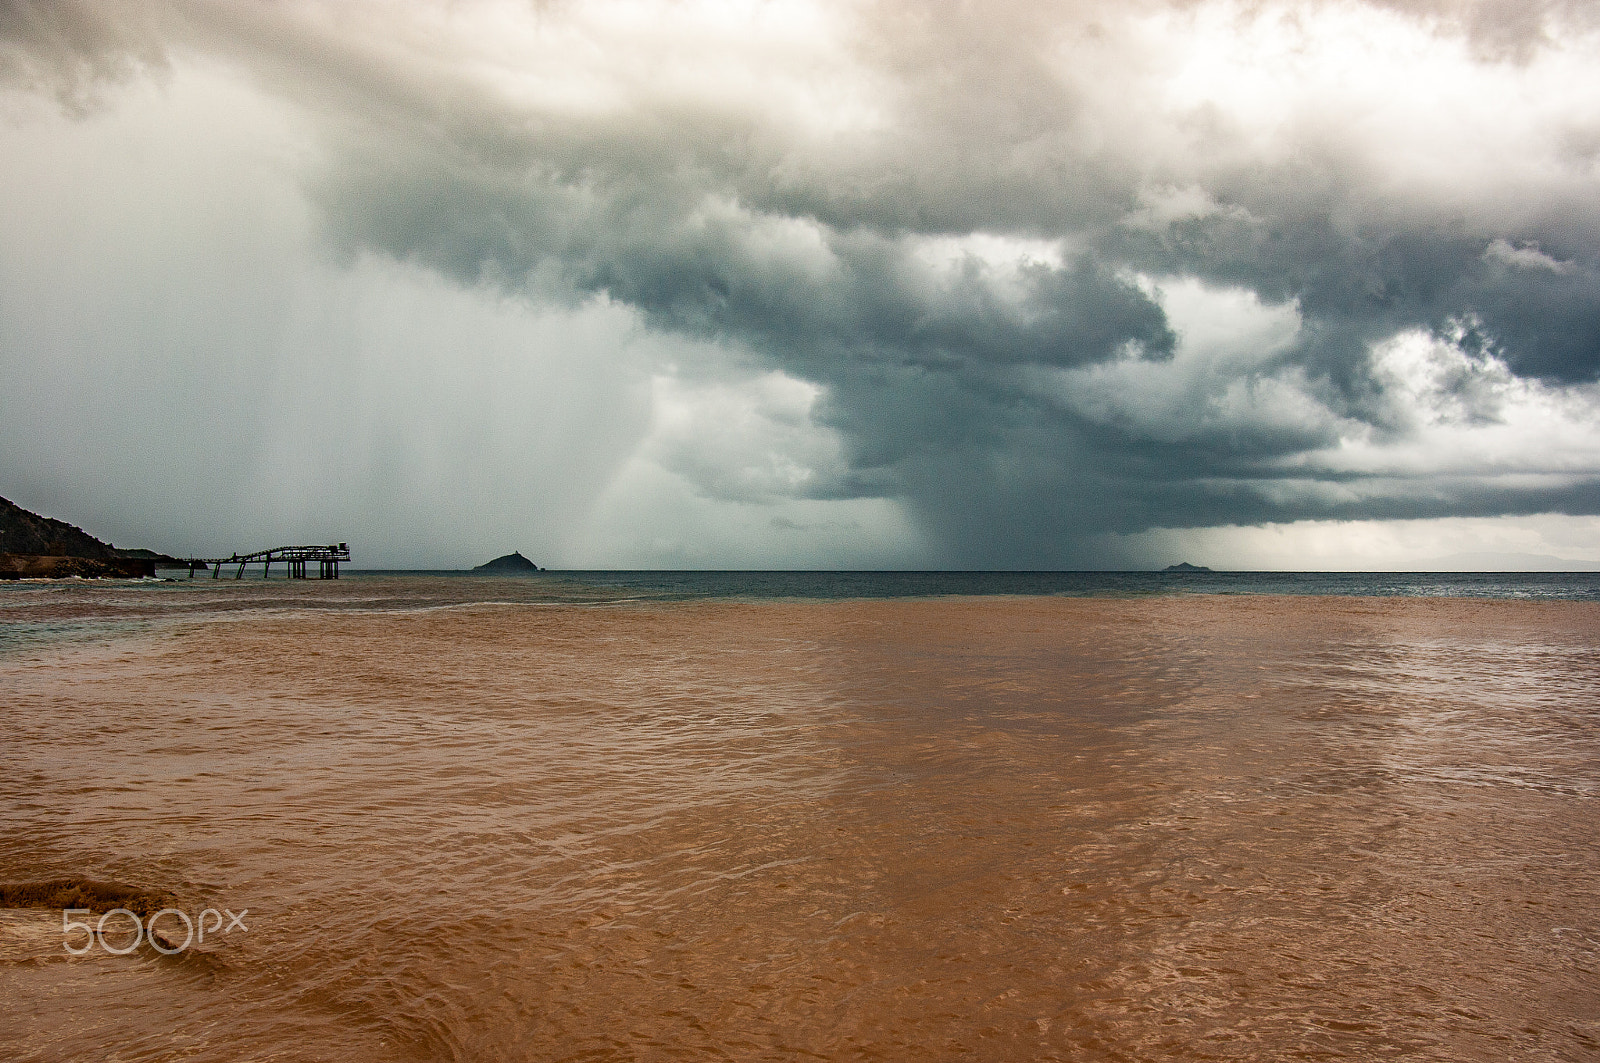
499,819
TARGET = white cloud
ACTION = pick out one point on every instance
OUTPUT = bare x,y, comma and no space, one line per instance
1223,377
1524,256
1421,106
1162,206
1451,412
747,440
1463,413
999,254
1550,542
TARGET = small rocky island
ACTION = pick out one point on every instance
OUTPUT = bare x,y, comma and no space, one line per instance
1184,566
511,564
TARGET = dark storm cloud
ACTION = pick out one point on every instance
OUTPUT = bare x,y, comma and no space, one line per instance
802,291
857,260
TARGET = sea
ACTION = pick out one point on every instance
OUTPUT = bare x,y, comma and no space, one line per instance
802,815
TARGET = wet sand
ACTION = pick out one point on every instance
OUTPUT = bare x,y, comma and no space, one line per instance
993,828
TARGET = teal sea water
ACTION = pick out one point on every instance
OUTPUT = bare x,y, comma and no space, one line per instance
1570,586
35,610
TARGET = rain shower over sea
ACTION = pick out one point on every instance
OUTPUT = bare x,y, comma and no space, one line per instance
770,816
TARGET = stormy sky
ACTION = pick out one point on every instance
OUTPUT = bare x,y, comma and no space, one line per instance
808,283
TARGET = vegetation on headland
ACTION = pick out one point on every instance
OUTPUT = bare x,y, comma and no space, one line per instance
35,547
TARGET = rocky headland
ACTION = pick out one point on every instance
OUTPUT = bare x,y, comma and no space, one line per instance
35,547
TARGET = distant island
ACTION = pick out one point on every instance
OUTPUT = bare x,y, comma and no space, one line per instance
1184,566
35,547
510,564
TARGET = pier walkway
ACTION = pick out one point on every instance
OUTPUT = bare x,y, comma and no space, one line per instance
294,558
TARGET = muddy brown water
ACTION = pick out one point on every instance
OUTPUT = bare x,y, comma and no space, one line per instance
1191,828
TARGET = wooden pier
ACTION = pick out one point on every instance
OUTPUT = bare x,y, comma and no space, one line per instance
293,558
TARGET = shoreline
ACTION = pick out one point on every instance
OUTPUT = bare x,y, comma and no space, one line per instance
55,566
